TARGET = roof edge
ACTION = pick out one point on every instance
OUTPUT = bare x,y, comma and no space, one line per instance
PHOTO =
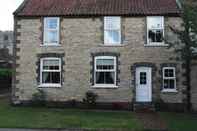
20,8
100,15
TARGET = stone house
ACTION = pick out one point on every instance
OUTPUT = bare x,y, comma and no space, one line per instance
114,48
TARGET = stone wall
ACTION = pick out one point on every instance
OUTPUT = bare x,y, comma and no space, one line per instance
81,37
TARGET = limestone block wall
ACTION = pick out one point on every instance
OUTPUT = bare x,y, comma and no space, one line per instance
82,37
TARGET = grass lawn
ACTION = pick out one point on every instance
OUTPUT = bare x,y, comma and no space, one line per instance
180,121
27,117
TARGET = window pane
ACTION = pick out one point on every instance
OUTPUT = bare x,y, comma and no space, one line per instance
105,64
169,73
105,77
143,78
155,35
51,36
51,67
51,77
112,36
112,23
169,84
51,64
51,23
155,23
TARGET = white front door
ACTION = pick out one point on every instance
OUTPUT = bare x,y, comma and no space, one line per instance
143,84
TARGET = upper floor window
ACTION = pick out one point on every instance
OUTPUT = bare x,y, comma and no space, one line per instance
105,71
155,30
50,72
112,30
169,79
51,31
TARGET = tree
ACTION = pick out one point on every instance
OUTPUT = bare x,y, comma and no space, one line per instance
186,45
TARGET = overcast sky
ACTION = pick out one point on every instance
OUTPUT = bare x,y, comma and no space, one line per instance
7,7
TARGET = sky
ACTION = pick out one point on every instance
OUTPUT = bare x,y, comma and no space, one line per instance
7,7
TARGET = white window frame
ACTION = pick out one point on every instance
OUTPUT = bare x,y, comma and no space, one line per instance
45,43
169,78
112,70
105,30
147,32
42,70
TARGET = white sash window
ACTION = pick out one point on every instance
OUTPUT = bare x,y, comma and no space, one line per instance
169,79
155,30
105,71
50,72
112,30
51,31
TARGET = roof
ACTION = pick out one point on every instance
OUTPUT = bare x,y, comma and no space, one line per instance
97,7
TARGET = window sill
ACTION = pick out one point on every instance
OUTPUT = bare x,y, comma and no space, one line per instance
113,45
50,45
105,86
50,86
156,45
169,91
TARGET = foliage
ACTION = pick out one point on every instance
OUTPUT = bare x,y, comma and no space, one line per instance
90,99
39,97
5,72
186,45
72,102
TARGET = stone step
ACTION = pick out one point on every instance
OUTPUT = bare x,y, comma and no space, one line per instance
143,107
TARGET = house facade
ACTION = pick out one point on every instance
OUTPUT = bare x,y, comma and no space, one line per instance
114,48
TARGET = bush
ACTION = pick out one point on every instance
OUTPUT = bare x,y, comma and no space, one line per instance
90,99
39,98
5,72
72,102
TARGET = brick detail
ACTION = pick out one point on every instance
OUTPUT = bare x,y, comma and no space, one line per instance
41,30
15,89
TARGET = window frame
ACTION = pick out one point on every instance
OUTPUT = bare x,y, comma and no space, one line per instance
169,78
42,70
105,70
119,31
147,32
45,31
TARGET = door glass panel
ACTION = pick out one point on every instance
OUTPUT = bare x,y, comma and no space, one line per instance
143,78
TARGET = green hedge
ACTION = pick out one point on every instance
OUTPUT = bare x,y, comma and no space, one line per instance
5,72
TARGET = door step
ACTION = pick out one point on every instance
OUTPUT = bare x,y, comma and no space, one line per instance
143,107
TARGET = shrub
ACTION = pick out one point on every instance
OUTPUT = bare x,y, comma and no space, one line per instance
90,99
72,102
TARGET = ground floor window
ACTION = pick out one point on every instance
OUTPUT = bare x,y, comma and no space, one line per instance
50,72
169,79
105,71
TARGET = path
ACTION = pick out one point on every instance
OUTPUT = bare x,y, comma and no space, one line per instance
151,121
